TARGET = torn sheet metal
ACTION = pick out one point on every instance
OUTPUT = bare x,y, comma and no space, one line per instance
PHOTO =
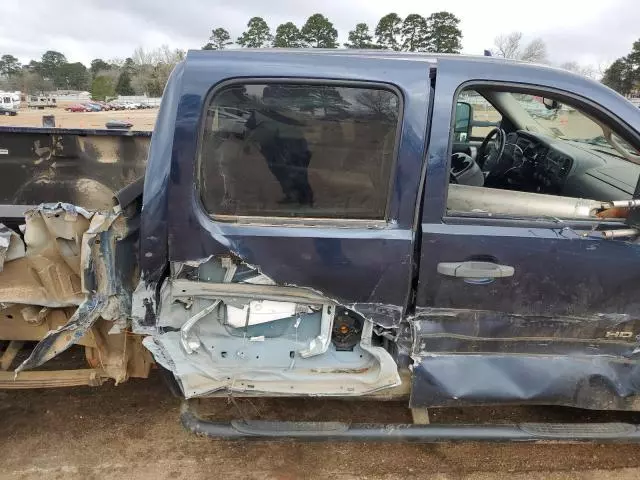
245,292
70,259
290,355
385,315
48,274
471,357
224,326
11,245
57,341
144,309
205,278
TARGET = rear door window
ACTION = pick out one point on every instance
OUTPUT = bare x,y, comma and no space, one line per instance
299,150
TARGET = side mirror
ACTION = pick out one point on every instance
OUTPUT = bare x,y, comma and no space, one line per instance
463,125
551,104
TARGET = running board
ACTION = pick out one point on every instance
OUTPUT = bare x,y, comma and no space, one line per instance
339,431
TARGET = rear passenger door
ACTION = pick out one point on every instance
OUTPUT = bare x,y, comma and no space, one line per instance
313,180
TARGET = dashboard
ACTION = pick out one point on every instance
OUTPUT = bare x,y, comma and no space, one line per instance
549,165
540,166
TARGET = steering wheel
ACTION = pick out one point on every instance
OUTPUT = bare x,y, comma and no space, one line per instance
490,153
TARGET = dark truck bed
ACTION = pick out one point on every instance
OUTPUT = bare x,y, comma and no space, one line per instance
83,167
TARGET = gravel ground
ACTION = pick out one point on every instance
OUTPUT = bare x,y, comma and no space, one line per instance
132,431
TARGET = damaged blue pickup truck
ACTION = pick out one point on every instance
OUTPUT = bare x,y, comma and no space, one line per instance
446,229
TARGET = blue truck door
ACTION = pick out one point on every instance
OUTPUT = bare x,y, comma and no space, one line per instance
364,262
563,328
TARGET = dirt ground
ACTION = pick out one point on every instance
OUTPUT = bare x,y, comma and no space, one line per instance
141,119
132,431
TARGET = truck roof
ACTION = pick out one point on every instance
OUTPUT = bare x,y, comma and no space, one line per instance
291,61
373,54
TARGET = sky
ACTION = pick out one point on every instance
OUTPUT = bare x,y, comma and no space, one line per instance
585,31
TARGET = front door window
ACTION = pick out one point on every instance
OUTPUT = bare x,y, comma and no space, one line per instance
540,156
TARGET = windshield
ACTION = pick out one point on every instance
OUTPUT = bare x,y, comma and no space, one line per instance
569,123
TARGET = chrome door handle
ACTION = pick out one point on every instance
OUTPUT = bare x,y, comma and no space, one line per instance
475,270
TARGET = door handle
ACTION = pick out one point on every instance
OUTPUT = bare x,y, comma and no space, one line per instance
477,271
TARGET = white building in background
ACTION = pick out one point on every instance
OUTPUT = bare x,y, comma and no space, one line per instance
10,99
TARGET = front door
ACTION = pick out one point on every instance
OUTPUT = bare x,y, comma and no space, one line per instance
521,298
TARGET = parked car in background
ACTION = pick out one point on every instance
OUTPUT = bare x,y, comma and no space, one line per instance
93,107
103,105
78,107
128,105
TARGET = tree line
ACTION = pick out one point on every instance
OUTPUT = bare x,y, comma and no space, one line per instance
439,32
145,72
623,75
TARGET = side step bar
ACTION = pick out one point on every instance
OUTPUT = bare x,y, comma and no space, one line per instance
339,431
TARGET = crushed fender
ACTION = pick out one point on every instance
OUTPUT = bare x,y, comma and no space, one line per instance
11,246
223,325
67,256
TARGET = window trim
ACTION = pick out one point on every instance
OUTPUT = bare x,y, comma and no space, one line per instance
601,113
384,222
